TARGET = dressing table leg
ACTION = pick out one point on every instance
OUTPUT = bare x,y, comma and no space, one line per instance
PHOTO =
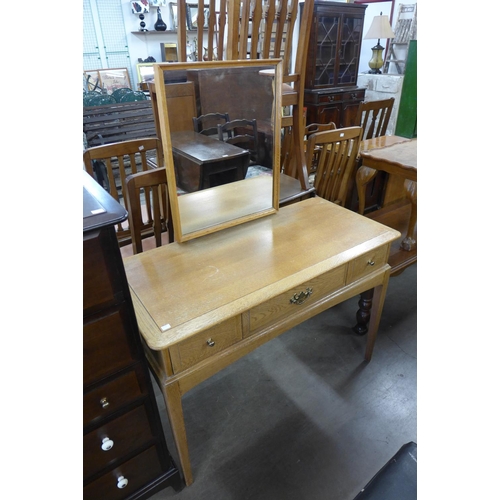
378,294
173,402
364,312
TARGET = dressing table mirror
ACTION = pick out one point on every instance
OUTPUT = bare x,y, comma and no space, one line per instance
215,179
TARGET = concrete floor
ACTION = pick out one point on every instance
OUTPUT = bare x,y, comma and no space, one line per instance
304,417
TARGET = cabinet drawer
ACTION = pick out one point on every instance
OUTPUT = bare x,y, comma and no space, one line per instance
281,306
353,95
138,471
105,345
127,434
110,397
102,283
205,344
367,263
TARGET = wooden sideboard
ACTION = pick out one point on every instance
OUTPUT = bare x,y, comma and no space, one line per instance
205,303
125,456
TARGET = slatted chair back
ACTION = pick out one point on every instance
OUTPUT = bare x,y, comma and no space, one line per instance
152,218
374,116
207,124
312,128
112,163
336,159
241,133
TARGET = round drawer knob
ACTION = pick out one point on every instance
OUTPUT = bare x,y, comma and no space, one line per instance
107,444
104,402
122,482
210,342
371,263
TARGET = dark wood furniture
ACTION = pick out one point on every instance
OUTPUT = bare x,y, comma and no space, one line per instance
125,456
118,122
331,93
202,162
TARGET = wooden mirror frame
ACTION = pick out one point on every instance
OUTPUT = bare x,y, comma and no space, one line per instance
229,215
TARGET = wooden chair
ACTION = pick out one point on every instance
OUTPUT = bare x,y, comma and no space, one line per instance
153,217
260,29
312,128
373,117
119,160
241,133
207,124
337,152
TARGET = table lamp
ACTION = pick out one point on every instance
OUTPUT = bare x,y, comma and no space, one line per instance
380,28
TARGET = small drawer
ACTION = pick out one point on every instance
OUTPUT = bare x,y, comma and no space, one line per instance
353,95
205,344
110,397
115,439
291,302
136,473
367,263
105,345
327,98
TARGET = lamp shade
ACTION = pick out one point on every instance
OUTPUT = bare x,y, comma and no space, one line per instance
380,28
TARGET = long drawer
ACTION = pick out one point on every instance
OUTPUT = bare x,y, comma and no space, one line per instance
125,479
292,301
114,440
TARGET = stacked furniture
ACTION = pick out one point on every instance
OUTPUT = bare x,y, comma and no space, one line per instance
125,455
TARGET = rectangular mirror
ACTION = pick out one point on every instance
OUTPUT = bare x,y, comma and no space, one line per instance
222,170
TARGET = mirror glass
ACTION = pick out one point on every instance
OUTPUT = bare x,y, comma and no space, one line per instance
222,169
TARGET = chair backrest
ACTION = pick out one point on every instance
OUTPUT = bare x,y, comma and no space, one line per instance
151,217
112,163
241,133
336,159
373,117
207,124
312,128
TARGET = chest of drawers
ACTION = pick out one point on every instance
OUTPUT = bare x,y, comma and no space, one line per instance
125,456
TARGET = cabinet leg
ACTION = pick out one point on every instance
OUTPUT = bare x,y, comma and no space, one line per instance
409,241
364,312
173,402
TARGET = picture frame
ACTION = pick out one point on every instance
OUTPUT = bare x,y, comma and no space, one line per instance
145,72
173,14
168,52
109,79
192,16
139,7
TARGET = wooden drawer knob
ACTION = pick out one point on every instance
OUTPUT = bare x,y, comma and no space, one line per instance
107,444
122,482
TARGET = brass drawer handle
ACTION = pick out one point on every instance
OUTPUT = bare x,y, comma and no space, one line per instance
371,263
300,298
210,342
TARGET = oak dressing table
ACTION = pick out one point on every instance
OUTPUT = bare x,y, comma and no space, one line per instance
204,303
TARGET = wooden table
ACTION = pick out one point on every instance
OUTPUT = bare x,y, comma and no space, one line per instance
398,156
202,162
205,303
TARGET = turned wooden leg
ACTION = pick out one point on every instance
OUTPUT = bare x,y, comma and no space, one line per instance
363,176
172,395
364,311
409,241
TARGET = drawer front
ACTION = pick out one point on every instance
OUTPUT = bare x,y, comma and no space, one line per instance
205,344
127,434
367,263
105,345
292,301
327,98
138,472
102,283
353,95
110,397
